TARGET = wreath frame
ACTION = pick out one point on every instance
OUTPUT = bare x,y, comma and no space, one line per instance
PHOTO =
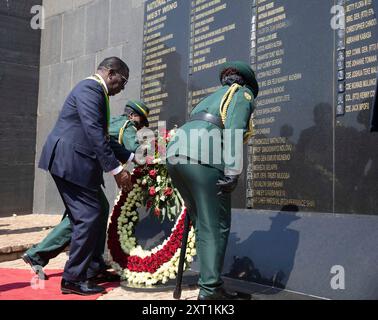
137,266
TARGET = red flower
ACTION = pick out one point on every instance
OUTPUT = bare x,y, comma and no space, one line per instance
157,212
149,204
168,192
153,174
134,263
138,172
152,191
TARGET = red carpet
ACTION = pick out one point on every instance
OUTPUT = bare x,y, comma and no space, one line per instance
20,284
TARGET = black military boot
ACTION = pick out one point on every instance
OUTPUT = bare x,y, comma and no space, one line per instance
222,294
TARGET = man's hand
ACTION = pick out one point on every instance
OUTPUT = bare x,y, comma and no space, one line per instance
227,184
123,180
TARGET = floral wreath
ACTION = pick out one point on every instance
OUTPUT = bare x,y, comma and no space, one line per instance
152,188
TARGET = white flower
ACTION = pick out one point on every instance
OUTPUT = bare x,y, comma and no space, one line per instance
149,282
128,242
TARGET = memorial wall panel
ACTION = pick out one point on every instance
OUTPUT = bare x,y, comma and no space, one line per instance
165,60
292,151
356,153
311,150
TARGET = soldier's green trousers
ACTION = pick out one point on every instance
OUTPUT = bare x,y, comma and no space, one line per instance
211,216
60,237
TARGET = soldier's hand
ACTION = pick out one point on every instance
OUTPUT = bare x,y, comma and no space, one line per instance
227,184
123,180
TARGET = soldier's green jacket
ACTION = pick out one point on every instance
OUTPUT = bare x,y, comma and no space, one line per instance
192,138
129,140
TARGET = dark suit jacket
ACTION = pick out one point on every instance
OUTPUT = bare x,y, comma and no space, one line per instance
77,149
122,154
374,114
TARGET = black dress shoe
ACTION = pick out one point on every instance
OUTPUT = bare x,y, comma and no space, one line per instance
38,269
83,288
222,294
106,276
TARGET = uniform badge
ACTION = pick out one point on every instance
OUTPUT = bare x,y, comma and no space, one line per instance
247,96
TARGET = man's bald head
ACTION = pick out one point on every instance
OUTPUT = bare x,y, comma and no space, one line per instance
115,73
115,64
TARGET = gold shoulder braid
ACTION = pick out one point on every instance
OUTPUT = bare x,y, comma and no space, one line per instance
122,132
249,134
225,104
96,78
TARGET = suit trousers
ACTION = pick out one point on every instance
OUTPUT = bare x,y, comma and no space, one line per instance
84,211
60,237
211,216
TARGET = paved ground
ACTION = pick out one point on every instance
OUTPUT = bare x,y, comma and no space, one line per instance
116,294
19,233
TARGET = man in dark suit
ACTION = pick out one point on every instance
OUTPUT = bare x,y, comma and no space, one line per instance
123,141
39,255
76,153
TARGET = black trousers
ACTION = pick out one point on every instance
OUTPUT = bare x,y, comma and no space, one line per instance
83,208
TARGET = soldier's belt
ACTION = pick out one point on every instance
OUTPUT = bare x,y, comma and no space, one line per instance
204,116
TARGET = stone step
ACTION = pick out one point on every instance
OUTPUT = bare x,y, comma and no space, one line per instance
19,233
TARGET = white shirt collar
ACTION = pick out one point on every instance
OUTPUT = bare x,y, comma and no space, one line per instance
103,83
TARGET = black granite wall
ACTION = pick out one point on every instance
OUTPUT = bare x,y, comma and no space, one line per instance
309,186
19,77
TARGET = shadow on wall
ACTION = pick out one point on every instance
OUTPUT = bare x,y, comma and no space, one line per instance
312,160
272,251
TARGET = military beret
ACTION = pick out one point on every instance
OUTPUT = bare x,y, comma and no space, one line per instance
246,72
140,108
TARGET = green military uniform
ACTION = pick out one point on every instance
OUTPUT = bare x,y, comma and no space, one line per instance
126,130
210,210
129,138
58,239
